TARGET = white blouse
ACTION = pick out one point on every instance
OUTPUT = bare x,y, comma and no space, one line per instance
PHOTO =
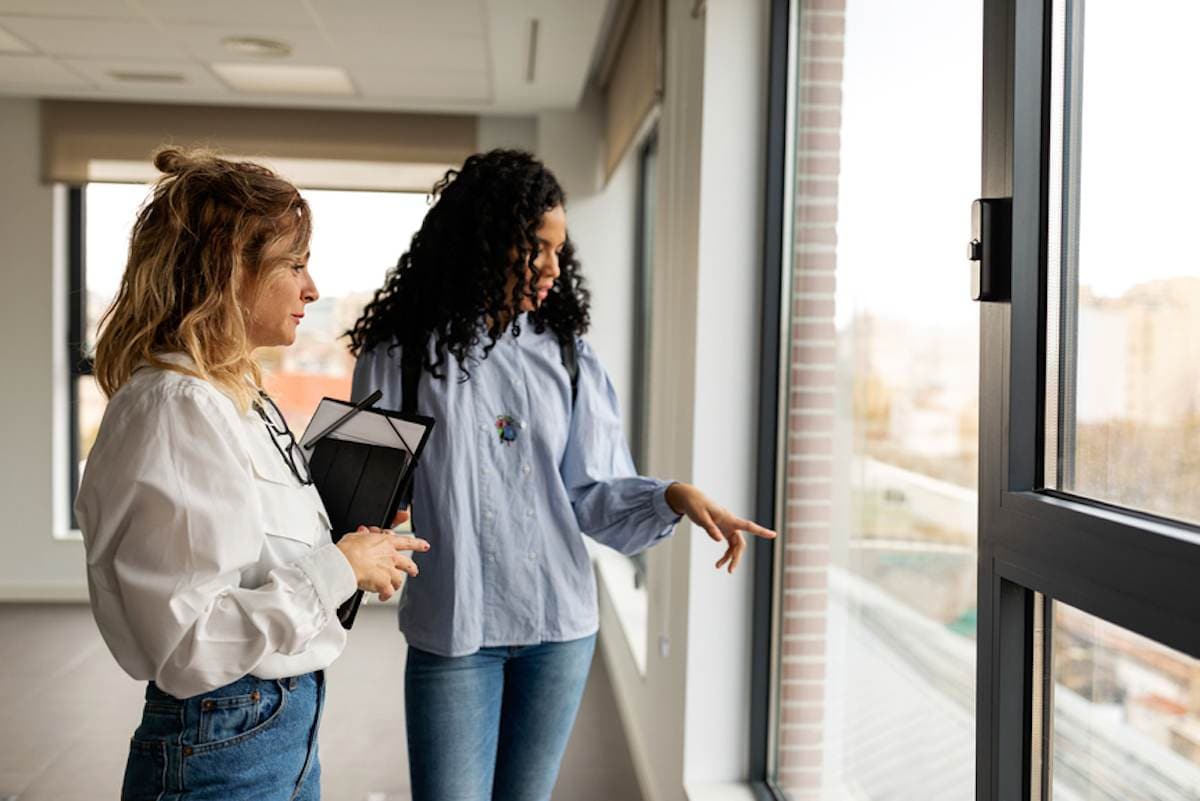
207,559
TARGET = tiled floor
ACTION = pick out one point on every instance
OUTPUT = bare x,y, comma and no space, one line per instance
68,711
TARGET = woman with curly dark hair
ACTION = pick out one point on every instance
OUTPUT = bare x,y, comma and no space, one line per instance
480,325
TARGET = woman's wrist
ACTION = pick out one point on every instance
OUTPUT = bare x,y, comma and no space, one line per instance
674,496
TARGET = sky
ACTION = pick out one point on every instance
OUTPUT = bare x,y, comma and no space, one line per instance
911,152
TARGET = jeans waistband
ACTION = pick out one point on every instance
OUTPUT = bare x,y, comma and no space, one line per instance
243,686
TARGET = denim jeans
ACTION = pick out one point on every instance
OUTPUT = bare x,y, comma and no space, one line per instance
252,739
494,724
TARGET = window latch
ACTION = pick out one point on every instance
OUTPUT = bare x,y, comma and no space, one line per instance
990,249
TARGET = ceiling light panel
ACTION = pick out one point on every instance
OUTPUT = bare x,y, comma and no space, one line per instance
194,79
205,42
284,79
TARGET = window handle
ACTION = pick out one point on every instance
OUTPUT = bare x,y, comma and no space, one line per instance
990,249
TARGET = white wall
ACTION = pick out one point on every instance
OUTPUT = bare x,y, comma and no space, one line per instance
687,717
33,352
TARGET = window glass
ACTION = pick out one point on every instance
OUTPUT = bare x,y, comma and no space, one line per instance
357,237
875,680
1125,405
1126,714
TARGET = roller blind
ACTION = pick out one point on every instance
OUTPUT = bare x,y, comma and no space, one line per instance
632,76
83,141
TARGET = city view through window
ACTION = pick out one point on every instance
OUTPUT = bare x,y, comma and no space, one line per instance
876,673
357,237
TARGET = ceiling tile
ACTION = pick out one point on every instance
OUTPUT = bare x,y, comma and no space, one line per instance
80,9
232,13
11,44
195,79
93,38
403,20
204,43
428,53
36,71
454,86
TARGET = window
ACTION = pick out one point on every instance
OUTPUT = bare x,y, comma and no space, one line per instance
872,601
626,577
1088,634
357,237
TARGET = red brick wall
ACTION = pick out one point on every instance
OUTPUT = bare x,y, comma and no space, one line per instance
810,401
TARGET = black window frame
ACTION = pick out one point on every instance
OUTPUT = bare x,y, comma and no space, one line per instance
1132,569
79,362
775,188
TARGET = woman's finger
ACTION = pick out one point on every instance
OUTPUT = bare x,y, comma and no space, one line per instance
397,578
403,542
725,558
738,546
705,521
407,565
750,527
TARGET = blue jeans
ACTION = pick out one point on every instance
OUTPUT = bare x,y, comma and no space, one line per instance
492,725
252,740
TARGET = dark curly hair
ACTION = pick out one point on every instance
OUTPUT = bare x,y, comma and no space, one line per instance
450,284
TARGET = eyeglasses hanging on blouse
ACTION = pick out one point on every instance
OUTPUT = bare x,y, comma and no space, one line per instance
284,441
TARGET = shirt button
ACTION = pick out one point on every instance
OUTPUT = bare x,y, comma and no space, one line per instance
483,427
529,513
521,424
532,556
487,515
525,468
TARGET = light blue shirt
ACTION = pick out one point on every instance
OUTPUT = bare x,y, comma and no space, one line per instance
509,478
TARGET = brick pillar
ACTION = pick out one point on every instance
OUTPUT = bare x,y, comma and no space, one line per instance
810,404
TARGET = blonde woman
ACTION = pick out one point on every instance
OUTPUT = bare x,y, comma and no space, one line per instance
211,569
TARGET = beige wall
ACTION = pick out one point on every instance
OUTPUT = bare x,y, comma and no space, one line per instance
32,352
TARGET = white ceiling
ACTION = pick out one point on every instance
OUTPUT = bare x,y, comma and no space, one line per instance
413,55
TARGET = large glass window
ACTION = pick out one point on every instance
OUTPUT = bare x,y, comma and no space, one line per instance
876,575
1086,415
1126,713
1127,295
357,237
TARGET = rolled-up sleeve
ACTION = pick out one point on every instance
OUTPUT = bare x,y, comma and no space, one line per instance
172,520
612,504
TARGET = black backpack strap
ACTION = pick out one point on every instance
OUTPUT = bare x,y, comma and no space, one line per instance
410,379
571,361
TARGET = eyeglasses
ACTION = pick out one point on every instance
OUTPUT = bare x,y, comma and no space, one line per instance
284,441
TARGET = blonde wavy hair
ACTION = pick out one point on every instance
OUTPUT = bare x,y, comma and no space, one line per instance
211,235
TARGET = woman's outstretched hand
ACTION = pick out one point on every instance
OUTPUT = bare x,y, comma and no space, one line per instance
716,520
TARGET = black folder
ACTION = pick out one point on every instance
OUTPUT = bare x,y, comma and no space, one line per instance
362,460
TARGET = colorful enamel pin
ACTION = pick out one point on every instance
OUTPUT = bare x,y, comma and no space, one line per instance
506,427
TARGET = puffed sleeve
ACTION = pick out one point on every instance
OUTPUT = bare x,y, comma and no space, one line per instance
171,518
612,504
